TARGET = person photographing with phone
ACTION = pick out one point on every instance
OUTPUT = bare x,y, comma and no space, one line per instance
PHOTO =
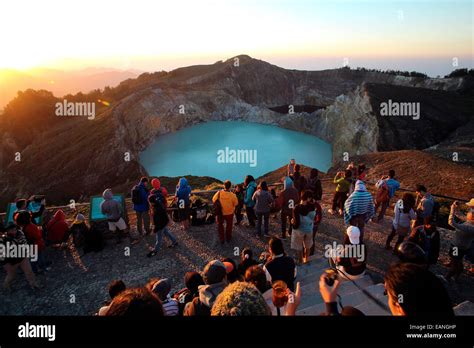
463,238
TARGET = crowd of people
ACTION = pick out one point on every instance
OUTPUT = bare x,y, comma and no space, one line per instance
266,286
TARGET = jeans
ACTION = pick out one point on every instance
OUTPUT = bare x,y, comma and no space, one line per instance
285,218
40,263
143,218
159,237
266,218
228,219
383,208
251,215
339,200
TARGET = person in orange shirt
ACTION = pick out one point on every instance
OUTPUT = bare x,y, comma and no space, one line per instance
225,202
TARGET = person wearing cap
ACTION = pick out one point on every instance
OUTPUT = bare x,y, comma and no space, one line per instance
15,236
162,289
353,261
463,238
214,276
359,208
231,270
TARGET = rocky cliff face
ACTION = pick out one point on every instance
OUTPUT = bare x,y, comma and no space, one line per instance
76,159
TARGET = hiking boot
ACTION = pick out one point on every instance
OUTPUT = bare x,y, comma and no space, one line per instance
175,244
151,253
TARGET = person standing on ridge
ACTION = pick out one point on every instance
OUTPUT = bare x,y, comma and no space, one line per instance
359,208
264,201
140,194
227,201
183,191
343,183
250,188
386,188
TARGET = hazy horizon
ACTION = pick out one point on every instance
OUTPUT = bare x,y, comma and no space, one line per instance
425,36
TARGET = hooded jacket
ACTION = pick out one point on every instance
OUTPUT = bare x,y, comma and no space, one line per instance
202,304
144,206
110,207
264,200
249,191
183,190
57,228
360,202
289,193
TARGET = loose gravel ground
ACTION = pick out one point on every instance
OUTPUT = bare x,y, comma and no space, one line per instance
77,284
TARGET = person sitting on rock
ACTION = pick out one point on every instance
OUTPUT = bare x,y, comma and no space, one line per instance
214,276
279,266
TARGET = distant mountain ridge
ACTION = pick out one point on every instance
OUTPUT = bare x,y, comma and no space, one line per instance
75,158
58,81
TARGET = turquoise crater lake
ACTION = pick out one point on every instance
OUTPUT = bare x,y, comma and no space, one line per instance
215,149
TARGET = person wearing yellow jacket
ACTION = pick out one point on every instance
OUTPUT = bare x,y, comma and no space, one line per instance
228,202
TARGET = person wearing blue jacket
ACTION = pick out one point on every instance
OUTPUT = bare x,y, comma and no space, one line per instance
183,191
250,188
141,206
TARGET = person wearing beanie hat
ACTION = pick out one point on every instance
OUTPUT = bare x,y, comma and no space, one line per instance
240,299
79,219
162,289
214,276
192,281
157,188
353,233
114,212
359,208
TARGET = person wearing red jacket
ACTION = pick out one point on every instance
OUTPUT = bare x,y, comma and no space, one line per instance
57,228
34,236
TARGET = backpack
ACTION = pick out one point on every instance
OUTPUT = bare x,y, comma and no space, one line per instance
137,195
218,205
382,195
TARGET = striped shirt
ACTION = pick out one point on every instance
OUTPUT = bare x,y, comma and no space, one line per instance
359,203
170,306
